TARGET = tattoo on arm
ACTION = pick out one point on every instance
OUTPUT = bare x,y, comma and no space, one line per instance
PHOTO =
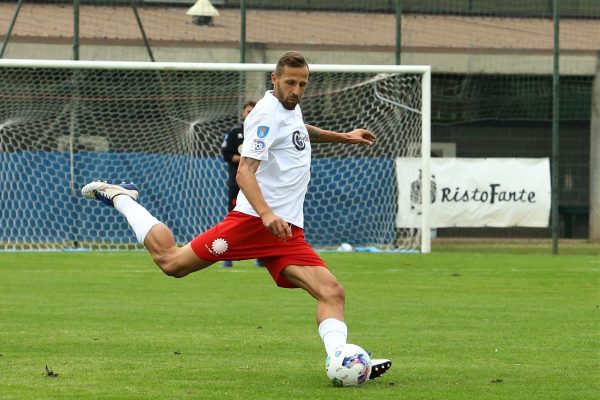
251,164
314,133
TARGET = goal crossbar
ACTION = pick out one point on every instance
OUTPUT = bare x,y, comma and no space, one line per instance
184,66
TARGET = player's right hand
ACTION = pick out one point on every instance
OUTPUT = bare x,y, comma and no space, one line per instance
277,226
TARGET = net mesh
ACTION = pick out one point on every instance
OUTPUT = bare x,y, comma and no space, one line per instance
162,129
492,86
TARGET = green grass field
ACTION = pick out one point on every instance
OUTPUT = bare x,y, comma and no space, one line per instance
457,323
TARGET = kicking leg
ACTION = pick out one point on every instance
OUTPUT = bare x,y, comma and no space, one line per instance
172,260
155,236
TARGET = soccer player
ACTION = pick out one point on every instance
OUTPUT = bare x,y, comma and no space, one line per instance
267,221
231,149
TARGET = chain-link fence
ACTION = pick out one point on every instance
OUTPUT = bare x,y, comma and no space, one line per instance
491,61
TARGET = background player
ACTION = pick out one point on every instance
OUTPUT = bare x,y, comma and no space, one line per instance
230,149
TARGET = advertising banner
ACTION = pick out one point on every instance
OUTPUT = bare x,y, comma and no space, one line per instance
476,192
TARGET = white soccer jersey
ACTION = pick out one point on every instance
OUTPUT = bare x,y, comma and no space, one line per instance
278,138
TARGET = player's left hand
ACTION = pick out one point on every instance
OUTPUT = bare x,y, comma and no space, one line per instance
361,136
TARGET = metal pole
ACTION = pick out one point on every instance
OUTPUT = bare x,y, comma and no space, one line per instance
10,28
243,9
75,29
141,26
73,113
555,132
398,30
426,162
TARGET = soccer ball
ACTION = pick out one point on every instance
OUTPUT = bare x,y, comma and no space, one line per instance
350,365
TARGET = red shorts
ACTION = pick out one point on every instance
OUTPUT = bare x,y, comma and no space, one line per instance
240,237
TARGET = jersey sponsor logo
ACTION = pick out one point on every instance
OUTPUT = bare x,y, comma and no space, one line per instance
299,140
219,246
262,131
258,145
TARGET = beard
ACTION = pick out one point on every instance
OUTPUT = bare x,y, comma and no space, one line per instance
290,104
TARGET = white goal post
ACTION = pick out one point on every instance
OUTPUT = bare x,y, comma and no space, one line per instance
63,123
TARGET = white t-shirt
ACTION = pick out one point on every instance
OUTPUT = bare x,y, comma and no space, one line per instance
278,138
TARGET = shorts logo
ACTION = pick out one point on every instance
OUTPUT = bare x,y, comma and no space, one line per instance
262,131
219,246
299,140
258,145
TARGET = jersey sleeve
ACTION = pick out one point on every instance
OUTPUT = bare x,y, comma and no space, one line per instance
259,135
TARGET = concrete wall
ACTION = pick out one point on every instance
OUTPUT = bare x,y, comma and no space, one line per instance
441,62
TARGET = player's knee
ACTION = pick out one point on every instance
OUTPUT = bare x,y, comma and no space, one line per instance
335,292
176,272
169,266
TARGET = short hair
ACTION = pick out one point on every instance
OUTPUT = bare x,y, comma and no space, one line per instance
292,59
249,104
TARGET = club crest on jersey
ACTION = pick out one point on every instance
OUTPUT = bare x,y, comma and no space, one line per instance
299,140
258,145
262,131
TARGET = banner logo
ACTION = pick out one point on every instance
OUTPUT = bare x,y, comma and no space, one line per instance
415,193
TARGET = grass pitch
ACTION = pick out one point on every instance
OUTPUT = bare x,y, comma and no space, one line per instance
457,325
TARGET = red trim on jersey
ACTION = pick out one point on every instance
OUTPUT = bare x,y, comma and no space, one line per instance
240,237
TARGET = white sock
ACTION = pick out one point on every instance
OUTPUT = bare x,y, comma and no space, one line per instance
140,220
334,333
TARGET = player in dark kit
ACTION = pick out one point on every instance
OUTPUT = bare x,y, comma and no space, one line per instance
231,154
232,144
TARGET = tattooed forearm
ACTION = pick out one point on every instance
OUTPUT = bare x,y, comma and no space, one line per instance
314,133
318,135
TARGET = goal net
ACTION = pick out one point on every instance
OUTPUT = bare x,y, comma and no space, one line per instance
161,125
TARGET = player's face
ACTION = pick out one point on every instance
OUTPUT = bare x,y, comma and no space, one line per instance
289,86
247,110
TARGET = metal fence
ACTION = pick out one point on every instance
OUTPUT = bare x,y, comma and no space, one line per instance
492,63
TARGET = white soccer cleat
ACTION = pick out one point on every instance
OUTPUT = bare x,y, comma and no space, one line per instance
379,367
106,192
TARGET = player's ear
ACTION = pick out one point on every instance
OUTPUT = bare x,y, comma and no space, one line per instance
274,77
